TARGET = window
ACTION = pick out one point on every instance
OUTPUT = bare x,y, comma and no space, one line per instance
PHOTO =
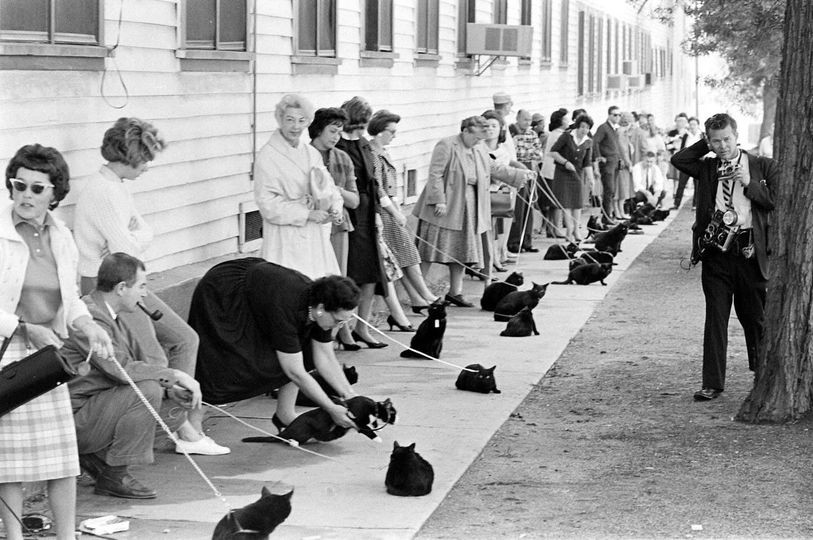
52,35
525,19
600,56
316,28
501,11
547,20
591,54
216,25
427,21
378,25
465,14
75,22
616,53
565,21
581,52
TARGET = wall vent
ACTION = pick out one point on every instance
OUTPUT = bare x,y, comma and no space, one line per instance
251,227
499,39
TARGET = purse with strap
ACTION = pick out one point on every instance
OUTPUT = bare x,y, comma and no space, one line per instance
30,377
502,203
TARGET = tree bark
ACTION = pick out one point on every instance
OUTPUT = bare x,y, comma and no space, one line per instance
783,389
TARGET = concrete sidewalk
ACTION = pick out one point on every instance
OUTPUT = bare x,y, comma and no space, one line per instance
345,497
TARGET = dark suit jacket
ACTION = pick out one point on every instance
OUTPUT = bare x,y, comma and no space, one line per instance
606,145
764,174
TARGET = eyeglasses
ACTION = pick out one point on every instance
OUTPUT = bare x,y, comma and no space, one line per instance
36,188
616,114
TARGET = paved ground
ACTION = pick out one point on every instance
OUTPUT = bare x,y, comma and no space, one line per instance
610,444
345,497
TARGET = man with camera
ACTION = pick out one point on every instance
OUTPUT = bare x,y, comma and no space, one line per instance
733,192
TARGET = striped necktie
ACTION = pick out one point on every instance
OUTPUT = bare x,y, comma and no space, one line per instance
727,189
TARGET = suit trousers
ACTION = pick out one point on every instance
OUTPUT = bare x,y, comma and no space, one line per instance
726,277
609,177
683,179
116,426
521,209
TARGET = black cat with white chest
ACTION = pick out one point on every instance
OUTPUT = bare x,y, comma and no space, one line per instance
428,339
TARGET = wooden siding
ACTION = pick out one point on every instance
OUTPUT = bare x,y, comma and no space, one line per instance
191,193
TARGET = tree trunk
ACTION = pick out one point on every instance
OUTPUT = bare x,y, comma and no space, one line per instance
784,385
769,92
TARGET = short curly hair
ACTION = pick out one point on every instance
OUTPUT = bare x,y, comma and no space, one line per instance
358,113
44,159
323,118
583,118
293,101
494,115
335,293
132,141
380,120
720,121
556,118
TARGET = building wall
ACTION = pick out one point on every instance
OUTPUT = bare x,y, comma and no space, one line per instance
192,193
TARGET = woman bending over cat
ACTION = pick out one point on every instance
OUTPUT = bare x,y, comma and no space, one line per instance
263,327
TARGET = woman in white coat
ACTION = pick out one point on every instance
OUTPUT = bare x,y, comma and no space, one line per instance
296,195
38,301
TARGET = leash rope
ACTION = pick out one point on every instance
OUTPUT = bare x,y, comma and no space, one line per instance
430,357
171,435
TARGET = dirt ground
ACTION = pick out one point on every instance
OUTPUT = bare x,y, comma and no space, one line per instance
611,444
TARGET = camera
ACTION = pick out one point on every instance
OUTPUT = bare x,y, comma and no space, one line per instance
719,234
727,168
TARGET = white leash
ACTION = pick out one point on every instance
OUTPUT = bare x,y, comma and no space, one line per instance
430,357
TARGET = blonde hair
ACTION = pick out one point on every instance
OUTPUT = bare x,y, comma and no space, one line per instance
132,141
293,101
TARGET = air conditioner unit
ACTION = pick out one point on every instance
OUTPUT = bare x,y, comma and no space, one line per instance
635,81
629,67
615,82
499,39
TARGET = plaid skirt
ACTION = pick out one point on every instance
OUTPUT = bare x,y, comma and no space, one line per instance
38,439
448,246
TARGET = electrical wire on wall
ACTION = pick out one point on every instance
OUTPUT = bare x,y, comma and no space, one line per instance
111,54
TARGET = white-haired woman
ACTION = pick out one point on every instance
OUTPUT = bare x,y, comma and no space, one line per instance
296,195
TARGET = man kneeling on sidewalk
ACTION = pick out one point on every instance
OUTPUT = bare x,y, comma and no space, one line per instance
114,428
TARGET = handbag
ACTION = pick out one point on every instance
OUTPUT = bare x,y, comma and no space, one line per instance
32,376
502,204
323,192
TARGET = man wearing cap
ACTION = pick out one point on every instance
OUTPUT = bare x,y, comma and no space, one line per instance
529,153
502,106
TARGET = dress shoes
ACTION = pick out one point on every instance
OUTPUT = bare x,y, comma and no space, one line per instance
118,482
707,394
458,300
92,464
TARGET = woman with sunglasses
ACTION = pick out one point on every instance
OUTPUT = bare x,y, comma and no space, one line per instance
106,221
265,327
38,303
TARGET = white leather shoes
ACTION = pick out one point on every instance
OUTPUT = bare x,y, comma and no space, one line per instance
205,447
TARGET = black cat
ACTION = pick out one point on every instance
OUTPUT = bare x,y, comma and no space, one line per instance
560,252
429,337
256,520
586,274
318,425
645,210
660,215
482,380
496,291
349,372
578,261
515,301
521,324
409,474
611,240
594,225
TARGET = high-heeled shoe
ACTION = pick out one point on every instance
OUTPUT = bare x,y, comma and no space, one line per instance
279,424
402,327
419,309
370,344
348,346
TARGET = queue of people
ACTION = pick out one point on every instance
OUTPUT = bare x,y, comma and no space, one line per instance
335,235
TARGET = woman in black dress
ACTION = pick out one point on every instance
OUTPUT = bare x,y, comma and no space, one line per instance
364,262
263,326
573,153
